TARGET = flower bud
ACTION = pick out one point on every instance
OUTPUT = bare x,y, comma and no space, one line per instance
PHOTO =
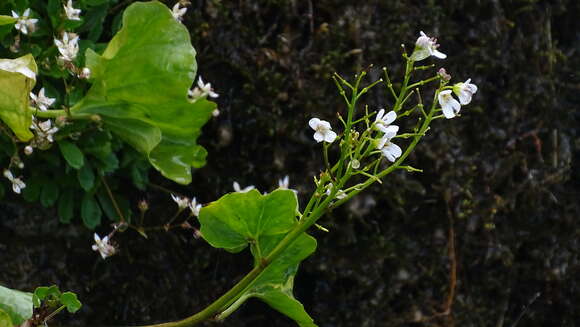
28,150
143,205
443,73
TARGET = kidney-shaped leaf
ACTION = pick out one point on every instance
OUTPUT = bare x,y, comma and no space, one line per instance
140,86
237,219
17,78
17,304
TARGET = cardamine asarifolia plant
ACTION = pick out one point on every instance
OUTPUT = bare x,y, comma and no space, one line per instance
135,93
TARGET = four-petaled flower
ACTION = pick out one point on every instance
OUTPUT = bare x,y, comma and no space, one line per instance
238,188
24,24
41,101
465,91
390,150
202,90
182,201
449,105
178,12
103,246
425,47
17,183
383,122
44,130
194,207
323,130
71,13
68,46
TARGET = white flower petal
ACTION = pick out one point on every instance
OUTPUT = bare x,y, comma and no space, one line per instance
318,137
330,136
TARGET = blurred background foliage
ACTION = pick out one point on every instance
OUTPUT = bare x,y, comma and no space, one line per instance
503,178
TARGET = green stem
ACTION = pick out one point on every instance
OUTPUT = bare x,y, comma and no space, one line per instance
404,88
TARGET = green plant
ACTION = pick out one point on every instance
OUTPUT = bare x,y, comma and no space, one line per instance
128,103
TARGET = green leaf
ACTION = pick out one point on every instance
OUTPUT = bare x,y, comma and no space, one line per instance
71,302
5,320
140,86
72,154
274,286
32,190
90,211
239,219
43,293
86,177
49,194
17,304
17,78
66,207
233,221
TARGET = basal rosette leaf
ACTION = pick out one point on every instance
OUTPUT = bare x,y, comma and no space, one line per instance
17,78
17,304
140,85
239,219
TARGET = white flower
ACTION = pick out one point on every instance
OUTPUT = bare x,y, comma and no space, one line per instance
425,47
238,188
42,101
390,150
194,207
72,13
24,23
465,91
178,12
182,201
382,121
449,105
44,130
17,183
28,150
202,90
323,130
103,246
17,65
215,112
284,183
68,47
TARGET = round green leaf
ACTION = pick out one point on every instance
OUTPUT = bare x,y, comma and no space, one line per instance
71,302
236,219
72,154
66,207
86,177
49,194
90,211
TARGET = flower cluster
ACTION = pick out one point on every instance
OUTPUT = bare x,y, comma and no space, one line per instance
449,105
184,202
